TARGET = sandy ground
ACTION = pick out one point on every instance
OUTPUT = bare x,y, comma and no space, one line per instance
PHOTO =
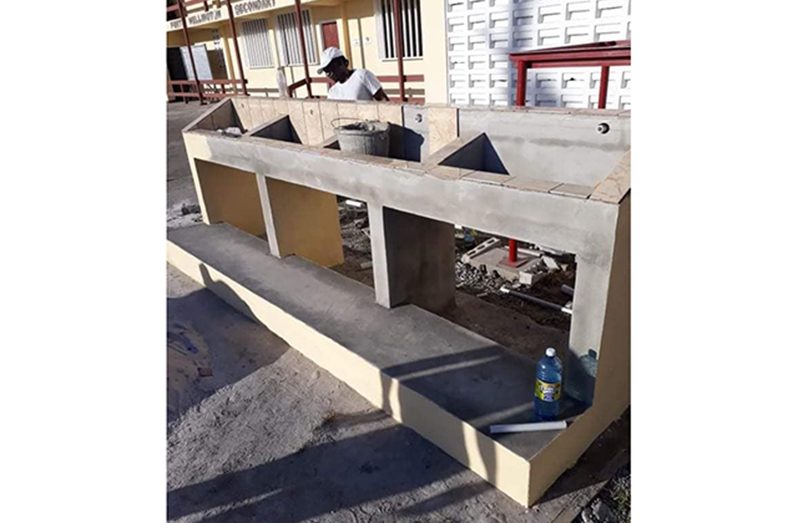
259,433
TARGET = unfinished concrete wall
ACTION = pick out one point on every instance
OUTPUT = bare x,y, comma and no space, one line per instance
553,145
413,259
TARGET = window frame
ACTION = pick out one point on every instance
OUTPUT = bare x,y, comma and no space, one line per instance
268,49
283,49
382,38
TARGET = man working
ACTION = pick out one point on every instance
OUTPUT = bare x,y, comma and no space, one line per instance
351,84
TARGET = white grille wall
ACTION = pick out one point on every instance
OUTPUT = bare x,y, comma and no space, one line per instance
481,34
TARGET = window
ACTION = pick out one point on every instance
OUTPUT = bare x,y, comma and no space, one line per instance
410,11
256,42
290,53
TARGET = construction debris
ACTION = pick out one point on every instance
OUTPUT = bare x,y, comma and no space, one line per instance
479,249
235,132
550,263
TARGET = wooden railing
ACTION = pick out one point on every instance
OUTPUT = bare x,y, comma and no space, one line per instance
214,89
392,93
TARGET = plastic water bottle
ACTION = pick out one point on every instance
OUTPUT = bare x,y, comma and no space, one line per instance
548,386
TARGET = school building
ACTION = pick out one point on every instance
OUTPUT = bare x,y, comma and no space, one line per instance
452,51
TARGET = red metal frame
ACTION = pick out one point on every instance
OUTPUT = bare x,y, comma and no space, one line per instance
399,47
597,54
383,79
210,89
182,8
299,28
231,18
199,91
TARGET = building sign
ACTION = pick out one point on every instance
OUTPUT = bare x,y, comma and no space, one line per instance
203,18
252,6
240,8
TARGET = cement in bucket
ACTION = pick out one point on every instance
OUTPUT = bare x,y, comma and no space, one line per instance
365,137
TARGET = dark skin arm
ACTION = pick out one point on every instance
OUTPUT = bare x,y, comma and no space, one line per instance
380,96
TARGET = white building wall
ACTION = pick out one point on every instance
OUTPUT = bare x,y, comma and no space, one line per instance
481,34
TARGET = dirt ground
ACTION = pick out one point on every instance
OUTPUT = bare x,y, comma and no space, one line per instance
259,433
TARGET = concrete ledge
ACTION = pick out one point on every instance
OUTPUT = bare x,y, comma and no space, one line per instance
443,381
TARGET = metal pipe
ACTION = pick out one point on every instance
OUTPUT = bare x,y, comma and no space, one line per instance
301,30
542,303
190,52
520,83
520,100
528,427
512,251
399,47
603,84
238,52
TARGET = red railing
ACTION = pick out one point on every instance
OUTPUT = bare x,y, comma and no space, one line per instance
597,54
214,89
383,79
175,8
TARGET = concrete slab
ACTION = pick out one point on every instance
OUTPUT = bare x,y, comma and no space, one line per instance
273,437
571,189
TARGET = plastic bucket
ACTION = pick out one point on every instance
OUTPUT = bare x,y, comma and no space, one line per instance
363,136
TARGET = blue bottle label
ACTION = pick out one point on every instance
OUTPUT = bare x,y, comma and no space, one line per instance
546,391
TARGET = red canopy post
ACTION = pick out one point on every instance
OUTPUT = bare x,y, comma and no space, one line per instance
399,47
238,52
299,28
190,52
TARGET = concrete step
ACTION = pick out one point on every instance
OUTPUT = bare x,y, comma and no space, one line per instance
445,382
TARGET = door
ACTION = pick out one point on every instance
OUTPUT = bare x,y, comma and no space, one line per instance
329,35
201,62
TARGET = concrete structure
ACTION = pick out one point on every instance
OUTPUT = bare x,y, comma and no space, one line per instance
543,176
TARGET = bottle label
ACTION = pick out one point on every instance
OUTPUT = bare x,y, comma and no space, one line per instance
546,391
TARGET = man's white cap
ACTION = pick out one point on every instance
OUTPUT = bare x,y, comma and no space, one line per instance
329,54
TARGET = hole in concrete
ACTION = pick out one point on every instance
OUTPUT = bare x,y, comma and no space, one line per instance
478,154
355,234
278,129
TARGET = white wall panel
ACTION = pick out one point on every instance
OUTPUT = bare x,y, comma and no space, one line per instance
481,34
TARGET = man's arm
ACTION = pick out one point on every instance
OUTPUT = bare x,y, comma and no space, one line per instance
374,86
380,96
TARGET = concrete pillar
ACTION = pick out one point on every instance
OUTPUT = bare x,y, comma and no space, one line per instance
413,259
301,221
228,195
600,330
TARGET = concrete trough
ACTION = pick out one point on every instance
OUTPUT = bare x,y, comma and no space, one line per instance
538,175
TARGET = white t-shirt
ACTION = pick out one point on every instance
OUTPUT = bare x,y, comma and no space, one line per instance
361,85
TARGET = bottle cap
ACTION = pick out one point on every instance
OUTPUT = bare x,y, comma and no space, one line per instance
550,352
